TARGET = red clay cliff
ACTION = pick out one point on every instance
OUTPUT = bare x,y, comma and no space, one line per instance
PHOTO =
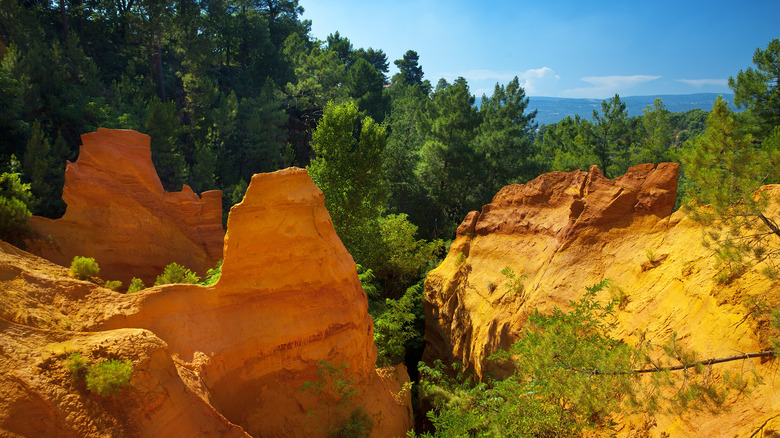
228,360
119,214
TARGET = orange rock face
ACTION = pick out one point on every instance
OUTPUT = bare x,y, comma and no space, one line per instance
566,231
119,214
288,301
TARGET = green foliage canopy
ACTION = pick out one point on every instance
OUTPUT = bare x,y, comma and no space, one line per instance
348,170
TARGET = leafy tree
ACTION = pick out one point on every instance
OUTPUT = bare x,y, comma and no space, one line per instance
609,136
688,124
398,328
658,136
343,48
758,90
406,193
348,170
546,396
564,146
410,70
406,258
449,167
212,275
317,77
260,143
504,137
740,229
165,130
15,203
13,88
366,85
377,59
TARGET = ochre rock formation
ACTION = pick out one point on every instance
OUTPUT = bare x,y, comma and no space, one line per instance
566,231
119,214
216,361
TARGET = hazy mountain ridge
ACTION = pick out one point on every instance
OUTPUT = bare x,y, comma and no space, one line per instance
554,109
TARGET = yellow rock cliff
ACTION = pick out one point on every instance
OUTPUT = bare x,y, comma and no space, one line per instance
566,231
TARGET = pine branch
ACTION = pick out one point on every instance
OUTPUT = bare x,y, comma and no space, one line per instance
707,362
769,223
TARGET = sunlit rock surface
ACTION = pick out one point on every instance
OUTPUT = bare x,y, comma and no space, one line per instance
566,231
227,360
119,214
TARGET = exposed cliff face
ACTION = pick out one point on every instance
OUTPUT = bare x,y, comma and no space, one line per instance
227,360
44,317
289,296
571,230
119,213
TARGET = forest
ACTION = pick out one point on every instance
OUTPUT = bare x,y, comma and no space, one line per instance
230,88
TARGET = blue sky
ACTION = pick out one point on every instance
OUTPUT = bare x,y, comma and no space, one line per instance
565,48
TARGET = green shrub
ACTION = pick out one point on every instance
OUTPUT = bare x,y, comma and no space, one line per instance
84,267
396,329
77,366
15,202
212,275
358,425
176,273
113,284
109,376
136,284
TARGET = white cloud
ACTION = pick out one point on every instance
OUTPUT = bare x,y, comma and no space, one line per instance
606,86
535,80
699,83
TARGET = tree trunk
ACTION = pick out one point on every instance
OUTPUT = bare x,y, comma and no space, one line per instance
64,18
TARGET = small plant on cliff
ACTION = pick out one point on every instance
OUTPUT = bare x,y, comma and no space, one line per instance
84,267
358,425
335,392
176,273
104,378
109,376
513,282
77,366
113,284
136,284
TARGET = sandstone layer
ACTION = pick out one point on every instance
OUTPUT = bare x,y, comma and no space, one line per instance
226,360
566,231
119,214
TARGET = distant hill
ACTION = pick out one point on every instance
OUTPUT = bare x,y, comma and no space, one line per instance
554,109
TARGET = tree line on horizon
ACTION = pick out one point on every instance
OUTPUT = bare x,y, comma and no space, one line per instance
229,88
